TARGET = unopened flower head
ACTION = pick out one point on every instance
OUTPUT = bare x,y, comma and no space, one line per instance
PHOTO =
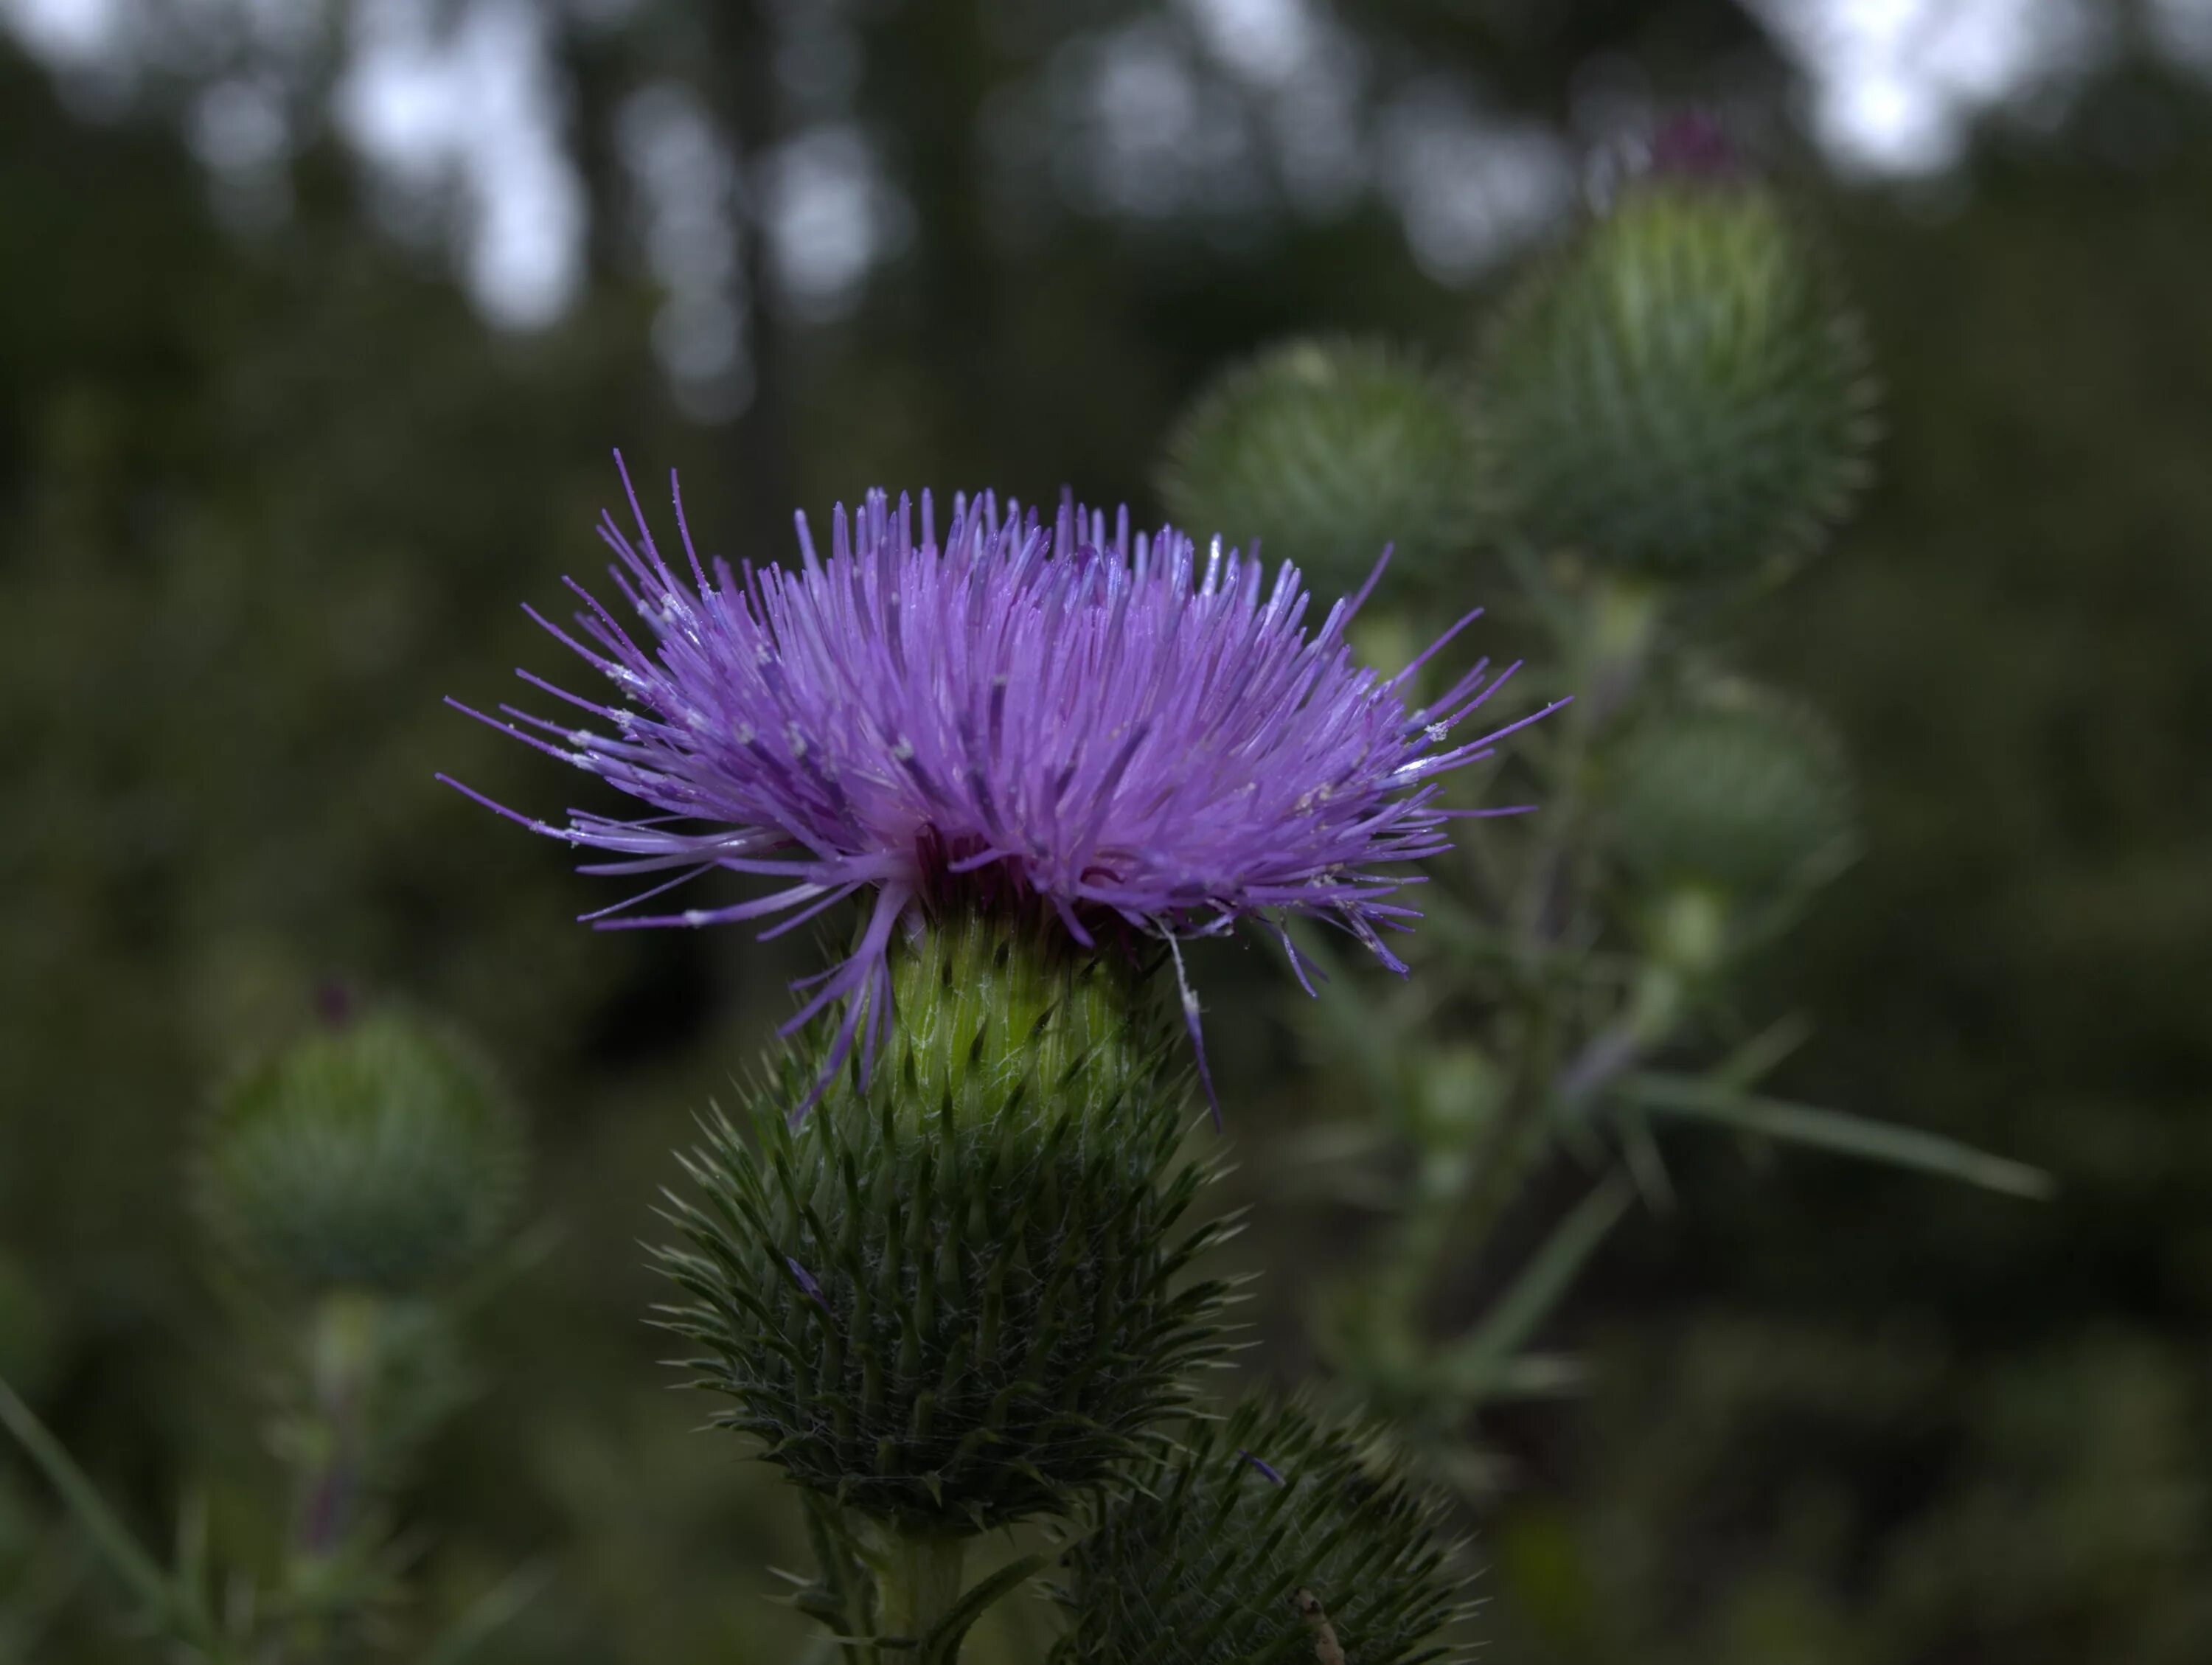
1132,735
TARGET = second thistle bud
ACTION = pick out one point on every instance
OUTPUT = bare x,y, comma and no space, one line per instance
1264,1537
952,1297
1740,795
377,1154
1678,396
1326,450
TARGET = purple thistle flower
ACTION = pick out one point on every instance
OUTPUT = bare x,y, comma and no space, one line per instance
1143,739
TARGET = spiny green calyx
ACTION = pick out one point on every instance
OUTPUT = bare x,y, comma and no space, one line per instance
1679,394
992,1008
953,1298
1326,450
1238,1547
377,1154
1740,793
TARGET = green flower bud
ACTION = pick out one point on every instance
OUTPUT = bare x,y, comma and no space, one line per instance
376,1154
951,1299
1679,395
1326,450
1264,1537
1740,795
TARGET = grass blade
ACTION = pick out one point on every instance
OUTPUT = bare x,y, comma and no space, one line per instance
131,1563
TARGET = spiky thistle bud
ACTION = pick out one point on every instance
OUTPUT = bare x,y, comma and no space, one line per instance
1740,793
1264,1537
377,1153
1325,451
952,1295
1680,394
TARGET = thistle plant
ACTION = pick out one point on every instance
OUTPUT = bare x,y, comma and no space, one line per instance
357,1191
940,1267
943,1265
1671,410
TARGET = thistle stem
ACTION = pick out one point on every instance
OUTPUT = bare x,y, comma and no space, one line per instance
341,1347
1612,643
919,1577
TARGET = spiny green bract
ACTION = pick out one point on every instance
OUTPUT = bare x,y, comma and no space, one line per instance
991,1008
1741,793
1678,395
377,1154
1207,1556
952,1298
1326,450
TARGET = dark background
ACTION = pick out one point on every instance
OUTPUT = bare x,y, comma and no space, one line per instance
274,478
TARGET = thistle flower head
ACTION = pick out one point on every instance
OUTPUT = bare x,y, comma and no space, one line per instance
1117,730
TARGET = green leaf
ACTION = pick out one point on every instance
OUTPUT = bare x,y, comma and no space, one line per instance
1477,1364
942,1645
1838,1131
194,1578
1760,1056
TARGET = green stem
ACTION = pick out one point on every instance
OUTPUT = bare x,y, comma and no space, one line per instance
341,1353
919,1573
1617,625
1512,1141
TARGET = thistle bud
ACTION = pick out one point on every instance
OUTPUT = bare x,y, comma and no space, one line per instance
1326,450
375,1154
1264,1537
951,1296
1740,794
1679,395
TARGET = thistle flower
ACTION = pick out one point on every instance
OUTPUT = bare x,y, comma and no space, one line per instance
1136,738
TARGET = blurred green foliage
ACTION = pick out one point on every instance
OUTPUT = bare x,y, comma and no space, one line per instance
263,499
